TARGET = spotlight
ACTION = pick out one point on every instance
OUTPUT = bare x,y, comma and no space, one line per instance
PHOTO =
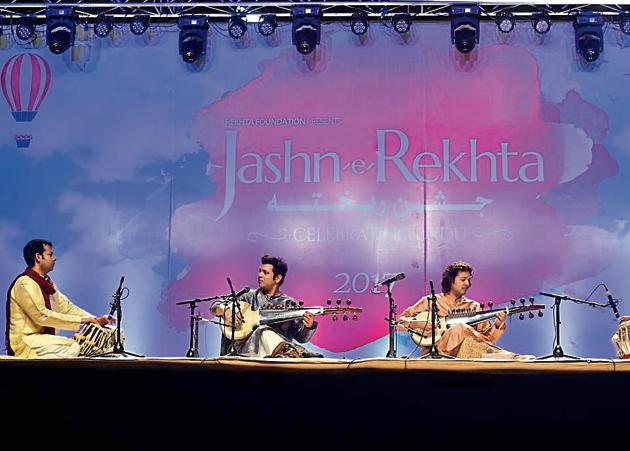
60,28
505,22
401,23
541,23
306,29
465,27
193,35
237,27
359,23
102,25
589,36
25,29
267,24
624,22
139,24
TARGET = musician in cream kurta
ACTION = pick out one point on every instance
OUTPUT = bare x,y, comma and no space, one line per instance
36,308
456,280
271,340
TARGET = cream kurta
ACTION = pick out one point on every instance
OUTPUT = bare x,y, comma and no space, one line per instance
29,316
484,332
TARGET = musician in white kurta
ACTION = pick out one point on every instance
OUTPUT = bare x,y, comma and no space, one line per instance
36,308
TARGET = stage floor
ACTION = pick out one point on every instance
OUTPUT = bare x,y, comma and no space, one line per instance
345,402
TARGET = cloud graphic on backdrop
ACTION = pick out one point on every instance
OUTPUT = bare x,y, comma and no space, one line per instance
25,80
350,182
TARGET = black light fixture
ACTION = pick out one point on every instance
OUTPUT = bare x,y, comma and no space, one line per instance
505,22
25,28
306,28
589,35
541,23
465,27
624,22
401,23
193,37
359,23
139,24
102,25
267,24
60,28
237,27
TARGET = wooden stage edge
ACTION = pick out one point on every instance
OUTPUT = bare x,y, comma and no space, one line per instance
379,364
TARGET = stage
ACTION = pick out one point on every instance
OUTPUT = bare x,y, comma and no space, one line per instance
153,400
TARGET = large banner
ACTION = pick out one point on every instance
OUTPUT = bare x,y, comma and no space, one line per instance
363,160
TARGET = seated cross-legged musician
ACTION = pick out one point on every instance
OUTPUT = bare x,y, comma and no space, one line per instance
273,340
36,308
460,340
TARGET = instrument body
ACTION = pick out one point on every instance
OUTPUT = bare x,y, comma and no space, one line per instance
95,339
442,323
621,339
252,319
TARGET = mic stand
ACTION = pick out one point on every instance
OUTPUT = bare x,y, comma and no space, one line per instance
119,349
433,350
193,349
558,353
391,353
232,351
195,318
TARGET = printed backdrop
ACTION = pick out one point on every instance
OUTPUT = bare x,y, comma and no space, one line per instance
358,162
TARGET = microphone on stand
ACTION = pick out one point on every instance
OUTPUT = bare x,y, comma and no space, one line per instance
612,303
397,277
241,292
116,297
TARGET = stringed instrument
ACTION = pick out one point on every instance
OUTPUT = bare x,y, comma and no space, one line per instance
442,323
278,313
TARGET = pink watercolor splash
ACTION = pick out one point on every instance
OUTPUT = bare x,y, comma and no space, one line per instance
514,239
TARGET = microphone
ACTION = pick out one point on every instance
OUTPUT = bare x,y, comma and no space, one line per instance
397,277
241,292
116,297
612,303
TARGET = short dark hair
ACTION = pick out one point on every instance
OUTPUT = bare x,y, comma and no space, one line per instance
32,248
451,271
279,266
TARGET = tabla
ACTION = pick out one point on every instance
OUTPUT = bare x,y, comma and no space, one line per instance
95,339
621,339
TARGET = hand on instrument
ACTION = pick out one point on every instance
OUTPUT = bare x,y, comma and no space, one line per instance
227,318
308,319
104,320
500,321
101,320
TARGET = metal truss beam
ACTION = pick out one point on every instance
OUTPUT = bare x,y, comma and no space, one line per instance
169,11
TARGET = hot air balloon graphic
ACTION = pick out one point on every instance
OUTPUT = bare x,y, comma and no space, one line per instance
25,80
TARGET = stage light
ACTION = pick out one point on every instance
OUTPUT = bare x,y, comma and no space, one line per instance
267,24
25,29
60,28
193,36
306,28
401,23
139,24
465,27
589,35
102,25
624,22
359,24
237,27
505,22
541,23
